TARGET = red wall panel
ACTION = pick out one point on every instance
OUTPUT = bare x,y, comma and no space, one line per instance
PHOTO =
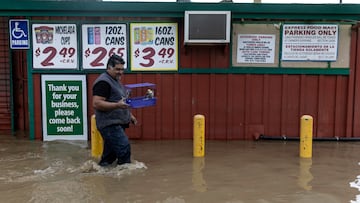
272,104
340,106
185,107
235,106
356,93
326,108
5,79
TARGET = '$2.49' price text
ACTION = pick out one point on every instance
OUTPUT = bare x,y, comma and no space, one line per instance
51,54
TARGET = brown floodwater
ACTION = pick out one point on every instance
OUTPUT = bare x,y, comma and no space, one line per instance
166,172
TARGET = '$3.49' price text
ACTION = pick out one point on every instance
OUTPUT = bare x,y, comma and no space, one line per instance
149,53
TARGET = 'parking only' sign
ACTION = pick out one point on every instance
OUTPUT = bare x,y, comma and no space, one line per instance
19,33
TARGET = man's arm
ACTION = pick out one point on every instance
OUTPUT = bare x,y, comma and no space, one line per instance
101,91
101,104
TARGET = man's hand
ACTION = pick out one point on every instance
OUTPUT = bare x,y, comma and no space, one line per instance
133,120
122,104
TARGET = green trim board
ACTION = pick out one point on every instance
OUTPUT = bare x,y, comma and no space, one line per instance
252,70
30,96
176,9
12,93
235,70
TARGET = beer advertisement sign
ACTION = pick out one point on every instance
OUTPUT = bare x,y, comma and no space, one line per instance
154,46
55,46
100,41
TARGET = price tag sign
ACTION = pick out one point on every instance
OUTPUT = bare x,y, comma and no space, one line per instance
154,46
100,41
54,46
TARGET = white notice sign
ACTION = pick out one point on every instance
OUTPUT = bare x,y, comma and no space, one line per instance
255,48
304,42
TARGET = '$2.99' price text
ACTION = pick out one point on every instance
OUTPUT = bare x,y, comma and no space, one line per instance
148,54
51,54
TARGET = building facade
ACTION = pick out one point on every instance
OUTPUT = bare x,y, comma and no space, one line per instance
282,62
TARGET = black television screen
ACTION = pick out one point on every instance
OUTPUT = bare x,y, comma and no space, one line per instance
207,26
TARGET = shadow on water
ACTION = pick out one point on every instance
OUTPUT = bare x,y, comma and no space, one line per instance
166,172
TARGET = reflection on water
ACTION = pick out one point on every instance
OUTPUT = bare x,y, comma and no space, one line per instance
166,172
199,183
305,175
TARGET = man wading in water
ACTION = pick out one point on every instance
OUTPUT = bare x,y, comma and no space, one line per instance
112,113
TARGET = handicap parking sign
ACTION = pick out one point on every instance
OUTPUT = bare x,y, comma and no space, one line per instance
19,33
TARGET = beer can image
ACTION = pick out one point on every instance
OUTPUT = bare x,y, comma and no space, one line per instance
97,35
150,35
136,35
37,35
90,35
143,35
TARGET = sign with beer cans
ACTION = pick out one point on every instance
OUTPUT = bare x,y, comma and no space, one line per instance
55,46
100,41
154,46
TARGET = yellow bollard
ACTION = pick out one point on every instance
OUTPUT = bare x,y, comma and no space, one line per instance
96,140
306,136
199,136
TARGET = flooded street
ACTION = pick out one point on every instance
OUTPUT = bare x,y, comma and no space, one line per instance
165,172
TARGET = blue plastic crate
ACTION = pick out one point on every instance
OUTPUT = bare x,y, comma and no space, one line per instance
141,102
147,90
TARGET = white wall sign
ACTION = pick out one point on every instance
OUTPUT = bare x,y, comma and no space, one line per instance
255,48
54,46
154,46
305,42
64,109
100,41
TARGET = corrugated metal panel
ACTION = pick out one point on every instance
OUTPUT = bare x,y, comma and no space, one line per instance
238,106
5,97
356,93
20,94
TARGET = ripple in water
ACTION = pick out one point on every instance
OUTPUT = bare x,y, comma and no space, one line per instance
356,184
91,167
59,169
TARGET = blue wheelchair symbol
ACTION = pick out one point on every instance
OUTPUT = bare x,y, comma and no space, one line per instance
17,32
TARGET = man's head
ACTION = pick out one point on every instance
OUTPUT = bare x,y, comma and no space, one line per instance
114,60
115,66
